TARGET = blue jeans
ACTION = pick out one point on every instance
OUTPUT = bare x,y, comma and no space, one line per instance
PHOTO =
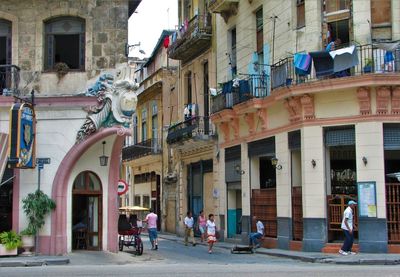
348,241
254,238
152,235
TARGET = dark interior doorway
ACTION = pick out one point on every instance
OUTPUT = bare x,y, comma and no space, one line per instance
6,196
67,50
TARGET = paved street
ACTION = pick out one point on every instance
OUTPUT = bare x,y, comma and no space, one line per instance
174,259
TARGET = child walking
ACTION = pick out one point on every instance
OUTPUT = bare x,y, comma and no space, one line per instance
211,232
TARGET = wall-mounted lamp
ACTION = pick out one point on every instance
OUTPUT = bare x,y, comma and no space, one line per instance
313,163
365,161
274,162
238,169
103,158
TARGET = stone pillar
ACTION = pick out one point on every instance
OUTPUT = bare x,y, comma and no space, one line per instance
314,189
283,193
373,235
222,194
246,193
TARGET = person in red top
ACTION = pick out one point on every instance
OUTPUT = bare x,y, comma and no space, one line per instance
151,220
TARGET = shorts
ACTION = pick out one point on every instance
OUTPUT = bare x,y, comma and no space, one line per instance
152,233
202,229
211,239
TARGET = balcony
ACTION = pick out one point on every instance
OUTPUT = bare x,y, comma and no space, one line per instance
366,60
139,150
192,39
235,92
226,8
9,80
197,129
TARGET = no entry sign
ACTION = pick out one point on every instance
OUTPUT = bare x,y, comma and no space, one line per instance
122,187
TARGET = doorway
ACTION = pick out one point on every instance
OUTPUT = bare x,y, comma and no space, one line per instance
87,212
234,203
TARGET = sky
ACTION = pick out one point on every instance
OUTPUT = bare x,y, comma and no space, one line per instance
146,24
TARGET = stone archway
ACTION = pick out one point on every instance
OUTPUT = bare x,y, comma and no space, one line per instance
58,238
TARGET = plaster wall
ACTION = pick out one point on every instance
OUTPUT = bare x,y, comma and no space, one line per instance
336,103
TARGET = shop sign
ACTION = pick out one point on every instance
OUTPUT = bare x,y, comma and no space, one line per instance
122,187
22,136
366,199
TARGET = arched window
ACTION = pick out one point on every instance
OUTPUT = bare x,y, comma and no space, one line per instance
65,42
87,182
5,42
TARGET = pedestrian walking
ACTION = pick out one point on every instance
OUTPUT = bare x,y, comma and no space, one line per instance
255,238
348,229
202,224
211,230
151,220
189,224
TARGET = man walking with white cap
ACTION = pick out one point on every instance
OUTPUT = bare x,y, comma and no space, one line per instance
348,229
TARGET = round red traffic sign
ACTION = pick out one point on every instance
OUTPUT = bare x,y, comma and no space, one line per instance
122,187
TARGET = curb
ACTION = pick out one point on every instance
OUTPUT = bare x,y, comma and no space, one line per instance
31,263
309,259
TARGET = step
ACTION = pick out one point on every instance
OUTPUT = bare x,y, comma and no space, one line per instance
334,248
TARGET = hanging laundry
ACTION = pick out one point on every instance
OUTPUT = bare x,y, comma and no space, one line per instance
344,58
278,76
323,63
388,57
302,63
388,46
166,42
227,87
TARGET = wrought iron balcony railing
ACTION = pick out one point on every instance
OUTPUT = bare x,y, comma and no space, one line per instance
9,80
144,148
192,38
198,127
235,92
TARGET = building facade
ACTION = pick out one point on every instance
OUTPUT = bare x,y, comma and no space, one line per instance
301,133
71,54
144,157
192,136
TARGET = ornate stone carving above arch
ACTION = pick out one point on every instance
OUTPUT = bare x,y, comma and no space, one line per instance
382,99
396,100
224,127
364,100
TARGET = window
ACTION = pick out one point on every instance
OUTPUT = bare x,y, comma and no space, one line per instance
301,13
381,19
232,61
5,42
187,9
146,201
189,87
65,43
144,125
336,5
154,124
135,129
137,200
260,35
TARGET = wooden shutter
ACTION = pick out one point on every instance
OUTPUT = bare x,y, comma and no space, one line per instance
8,50
301,13
82,51
50,52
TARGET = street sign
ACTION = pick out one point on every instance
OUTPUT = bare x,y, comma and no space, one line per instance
122,187
43,161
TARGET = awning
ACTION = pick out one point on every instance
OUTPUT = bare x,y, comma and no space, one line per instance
3,153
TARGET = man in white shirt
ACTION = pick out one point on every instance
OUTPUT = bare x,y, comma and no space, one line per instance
256,237
189,224
348,229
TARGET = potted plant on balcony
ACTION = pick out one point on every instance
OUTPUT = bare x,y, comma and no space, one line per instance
36,206
9,243
368,64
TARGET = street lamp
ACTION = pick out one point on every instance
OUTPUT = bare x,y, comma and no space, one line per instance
129,46
103,158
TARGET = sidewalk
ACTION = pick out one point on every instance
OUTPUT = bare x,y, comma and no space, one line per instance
313,257
20,261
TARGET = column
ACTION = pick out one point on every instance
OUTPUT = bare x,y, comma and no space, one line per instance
372,234
314,189
283,193
245,180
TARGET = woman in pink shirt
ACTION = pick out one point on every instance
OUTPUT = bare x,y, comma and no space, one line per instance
202,223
